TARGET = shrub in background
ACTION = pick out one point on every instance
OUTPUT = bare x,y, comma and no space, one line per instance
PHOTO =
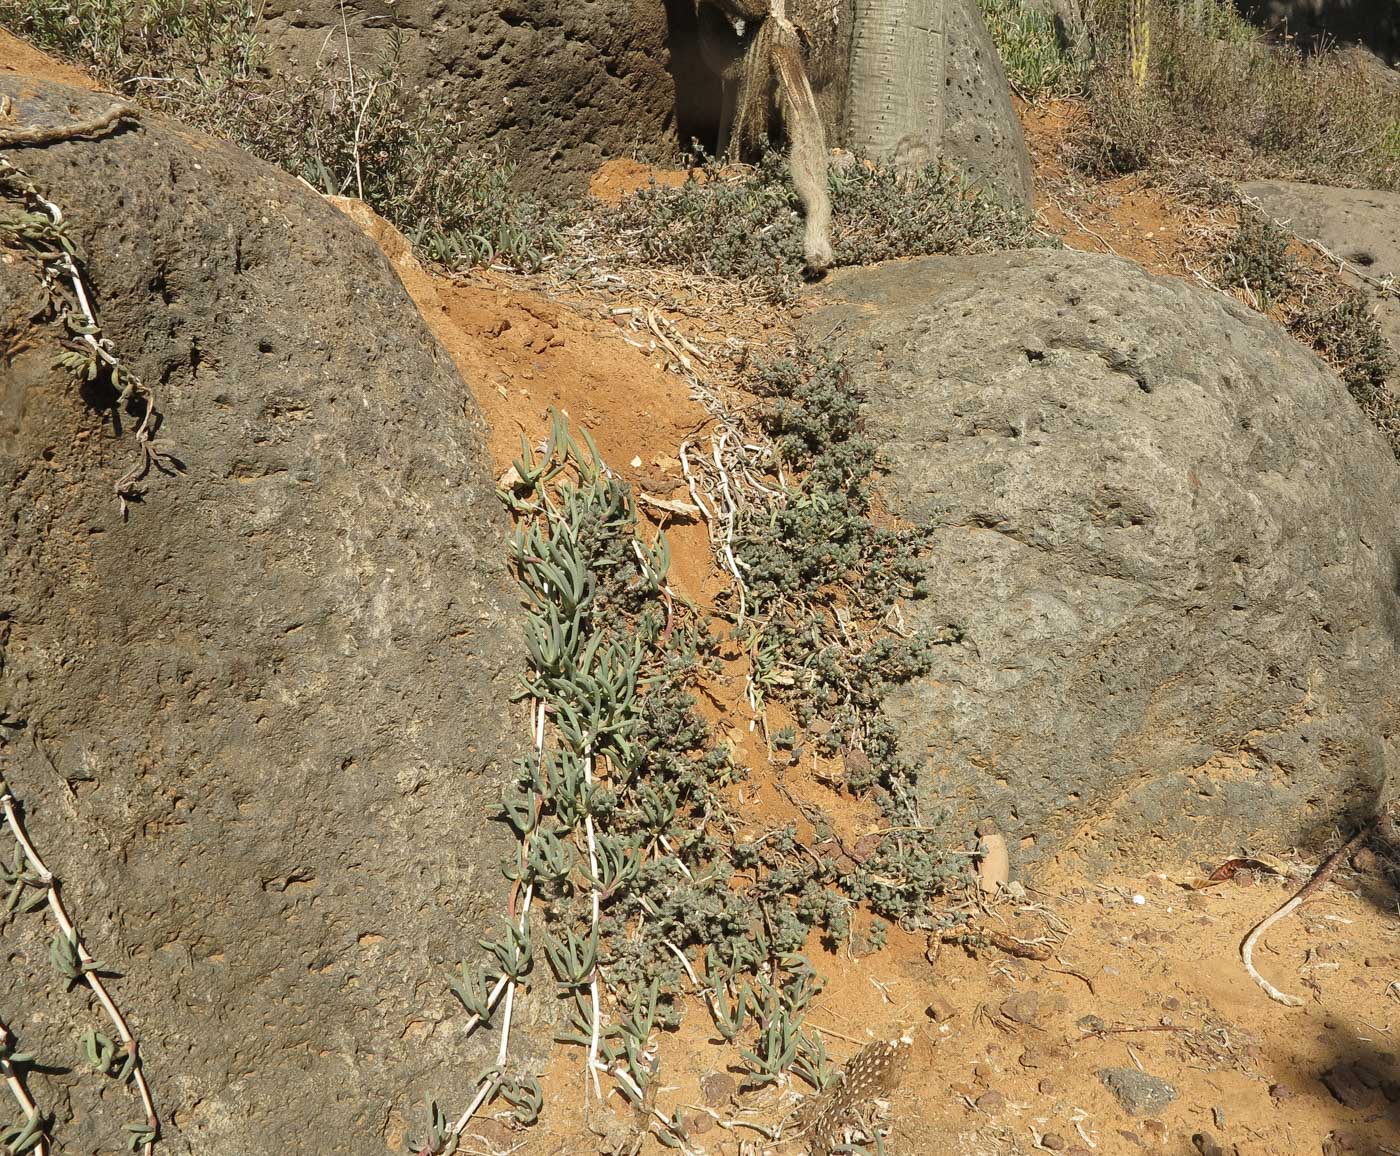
364,134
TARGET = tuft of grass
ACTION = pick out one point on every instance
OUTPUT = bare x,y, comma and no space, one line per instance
1213,89
200,43
1038,55
400,150
1257,260
1343,330
744,223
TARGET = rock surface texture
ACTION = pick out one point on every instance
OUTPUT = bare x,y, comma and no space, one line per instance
1168,535
981,132
258,728
1361,226
562,85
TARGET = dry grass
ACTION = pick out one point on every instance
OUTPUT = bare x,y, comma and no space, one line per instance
1314,304
361,133
1217,96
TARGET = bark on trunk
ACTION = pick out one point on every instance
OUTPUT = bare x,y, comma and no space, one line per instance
898,67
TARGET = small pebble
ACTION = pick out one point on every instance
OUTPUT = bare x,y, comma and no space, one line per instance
1139,1093
1046,1087
1054,1141
1022,1008
993,1103
940,1010
1205,1144
1339,1142
718,1088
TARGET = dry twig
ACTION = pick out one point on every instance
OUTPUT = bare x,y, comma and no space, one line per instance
1324,873
53,134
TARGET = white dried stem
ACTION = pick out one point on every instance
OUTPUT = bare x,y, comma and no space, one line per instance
596,1022
17,1089
1247,954
624,1077
505,984
1324,873
85,960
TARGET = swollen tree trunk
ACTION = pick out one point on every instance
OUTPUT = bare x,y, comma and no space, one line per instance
926,85
898,68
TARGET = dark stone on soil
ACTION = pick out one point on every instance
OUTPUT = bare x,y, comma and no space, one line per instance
718,1088
1205,1144
1022,1008
1340,1142
993,1103
1139,1093
1345,1083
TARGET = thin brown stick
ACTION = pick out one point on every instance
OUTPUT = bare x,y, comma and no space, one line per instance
1089,983
52,134
1108,1031
1324,873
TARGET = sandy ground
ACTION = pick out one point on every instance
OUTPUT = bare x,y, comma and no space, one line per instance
18,58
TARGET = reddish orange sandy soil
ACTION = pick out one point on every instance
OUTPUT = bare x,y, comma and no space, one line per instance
18,58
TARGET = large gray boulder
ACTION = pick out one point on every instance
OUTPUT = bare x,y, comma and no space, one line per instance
258,728
1169,536
562,85
1361,226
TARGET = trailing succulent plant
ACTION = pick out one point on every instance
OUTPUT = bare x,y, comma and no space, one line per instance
631,888
34,227
33,888
823,579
